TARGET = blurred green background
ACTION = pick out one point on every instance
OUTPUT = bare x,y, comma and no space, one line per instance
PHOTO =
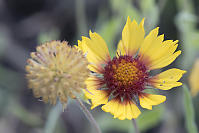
26,23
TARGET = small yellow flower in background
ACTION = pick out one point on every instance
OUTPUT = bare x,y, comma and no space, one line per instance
57,70
194,79
116,83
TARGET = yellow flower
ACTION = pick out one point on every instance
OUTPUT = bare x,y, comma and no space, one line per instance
194,79
118,82
57,70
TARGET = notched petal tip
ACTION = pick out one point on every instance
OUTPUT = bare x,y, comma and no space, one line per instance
156,30
134,23
128,20
149,100
142,22
122,110
93,34
162,36
84,39
183,71
167,79
176,41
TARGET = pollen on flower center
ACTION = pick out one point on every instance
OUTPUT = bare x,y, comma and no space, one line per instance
125,76
126,72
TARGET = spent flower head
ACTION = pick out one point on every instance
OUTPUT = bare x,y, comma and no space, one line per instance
57,71
118,82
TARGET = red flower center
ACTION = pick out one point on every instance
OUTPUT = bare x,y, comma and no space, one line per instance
125,76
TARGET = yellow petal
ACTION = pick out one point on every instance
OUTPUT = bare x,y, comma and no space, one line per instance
164,61
96,96
122,110
96,51
156,52
93,82
148,100
120,49
148,43
167,79
162,48
194,79
132,36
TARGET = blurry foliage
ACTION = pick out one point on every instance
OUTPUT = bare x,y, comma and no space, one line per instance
186,22
151,11
2,43
109,31
150,118
24,115
53,34
189,111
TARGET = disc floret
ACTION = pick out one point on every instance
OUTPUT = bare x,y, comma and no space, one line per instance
125,76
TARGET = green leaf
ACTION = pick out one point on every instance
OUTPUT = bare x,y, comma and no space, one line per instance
23,114
109,31
53,34
125,8
3,41
107,122
189,111
151,13
150,118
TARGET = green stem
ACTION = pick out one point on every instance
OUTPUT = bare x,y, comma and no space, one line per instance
89,116
53,118
81,17
135,126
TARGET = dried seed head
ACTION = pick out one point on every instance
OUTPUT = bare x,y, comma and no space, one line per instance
56,70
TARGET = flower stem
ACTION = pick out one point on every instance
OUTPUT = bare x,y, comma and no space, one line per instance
135,126
89,116
52,119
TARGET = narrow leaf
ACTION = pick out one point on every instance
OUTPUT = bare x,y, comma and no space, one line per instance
189,111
